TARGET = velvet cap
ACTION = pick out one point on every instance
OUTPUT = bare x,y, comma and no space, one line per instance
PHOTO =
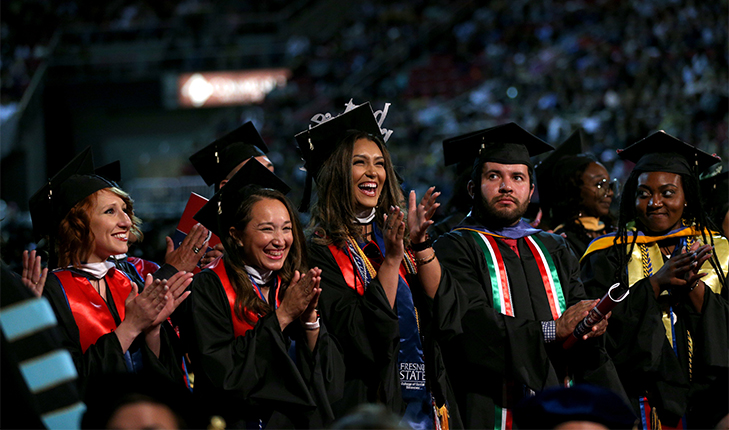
505,144
215,162
218,214
73,183
661,152
558,165
111,172
581,402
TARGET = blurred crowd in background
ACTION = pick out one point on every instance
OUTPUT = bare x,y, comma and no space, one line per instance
618,69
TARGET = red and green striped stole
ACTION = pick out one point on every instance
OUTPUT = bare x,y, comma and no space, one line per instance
501,291
500,288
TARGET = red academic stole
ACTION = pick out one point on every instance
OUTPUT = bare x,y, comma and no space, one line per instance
351,276
240,327
92,315
144,267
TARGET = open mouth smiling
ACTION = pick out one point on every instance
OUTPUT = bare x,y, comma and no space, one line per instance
368,188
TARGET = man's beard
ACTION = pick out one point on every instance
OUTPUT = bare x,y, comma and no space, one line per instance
489,215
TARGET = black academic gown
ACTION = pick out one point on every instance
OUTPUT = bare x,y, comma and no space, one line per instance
367,329
259,378
485,349
576,239
644,357
105,355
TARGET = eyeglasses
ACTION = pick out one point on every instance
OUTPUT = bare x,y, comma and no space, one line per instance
606,186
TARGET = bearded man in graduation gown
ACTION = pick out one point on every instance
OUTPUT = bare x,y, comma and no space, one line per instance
518,294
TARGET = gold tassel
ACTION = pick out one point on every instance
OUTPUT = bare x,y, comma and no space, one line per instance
443,417
655,422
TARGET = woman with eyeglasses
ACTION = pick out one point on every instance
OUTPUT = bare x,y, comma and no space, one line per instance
580,198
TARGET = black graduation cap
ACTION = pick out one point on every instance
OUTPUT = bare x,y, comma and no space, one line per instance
215,162
506,144
716,184
581,402
319,142
110,172
550,170
218,214
661,152
574,145
74,182
715,194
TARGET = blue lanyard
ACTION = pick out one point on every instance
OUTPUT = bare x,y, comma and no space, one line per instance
260,293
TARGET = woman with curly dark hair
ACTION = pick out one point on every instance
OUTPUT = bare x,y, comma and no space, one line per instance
669,338
379,271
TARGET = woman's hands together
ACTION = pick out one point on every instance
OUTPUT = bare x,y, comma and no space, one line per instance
301,299
682,271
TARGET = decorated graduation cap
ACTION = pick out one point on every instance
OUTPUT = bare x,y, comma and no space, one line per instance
661,152
319,141
73,183
218,214
582,402
215,162
505,144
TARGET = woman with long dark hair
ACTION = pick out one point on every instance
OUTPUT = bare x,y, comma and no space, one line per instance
107,326
669,339
379,270
263,358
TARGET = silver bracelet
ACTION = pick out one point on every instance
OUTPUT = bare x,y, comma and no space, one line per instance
311,325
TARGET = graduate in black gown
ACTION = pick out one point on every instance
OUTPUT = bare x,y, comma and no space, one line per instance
670,337
575,192
379,272
220,160
518,295
185,258
106,326
263,357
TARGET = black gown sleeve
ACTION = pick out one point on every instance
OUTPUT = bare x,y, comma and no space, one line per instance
367,329
255,376
105,355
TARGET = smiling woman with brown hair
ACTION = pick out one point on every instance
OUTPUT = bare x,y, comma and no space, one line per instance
107,326
669,338
263,358
379,271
